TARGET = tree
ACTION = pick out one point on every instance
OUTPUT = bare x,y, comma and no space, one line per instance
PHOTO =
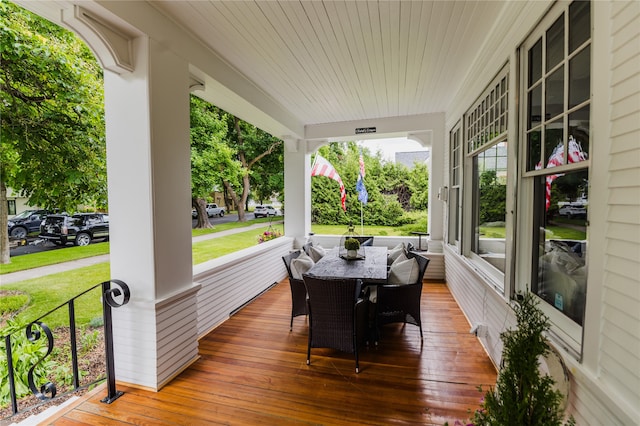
212,161
493,198
52,148
419,186
523,396
251,145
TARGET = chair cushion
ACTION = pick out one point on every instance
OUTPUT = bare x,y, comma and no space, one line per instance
401,258
316,253
404,272
395,252
301,265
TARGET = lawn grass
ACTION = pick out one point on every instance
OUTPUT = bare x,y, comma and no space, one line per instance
52,257
216,247
50,291
553,232
383,231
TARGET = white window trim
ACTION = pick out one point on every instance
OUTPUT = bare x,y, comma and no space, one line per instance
564,332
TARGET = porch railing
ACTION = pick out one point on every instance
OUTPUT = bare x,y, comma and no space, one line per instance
114,293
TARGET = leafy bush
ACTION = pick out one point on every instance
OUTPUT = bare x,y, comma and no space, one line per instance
24,354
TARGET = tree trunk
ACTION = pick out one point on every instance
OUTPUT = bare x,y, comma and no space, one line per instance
5,256
201,208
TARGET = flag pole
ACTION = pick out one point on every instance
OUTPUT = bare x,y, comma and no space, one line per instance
361,220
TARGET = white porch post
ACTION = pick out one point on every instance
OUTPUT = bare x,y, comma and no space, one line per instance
297,190
435,222
148,164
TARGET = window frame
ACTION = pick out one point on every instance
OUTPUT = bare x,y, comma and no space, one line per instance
455,191
477,125
564,331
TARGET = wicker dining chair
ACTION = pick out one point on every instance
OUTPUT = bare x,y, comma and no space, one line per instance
337,315
401,302
298,290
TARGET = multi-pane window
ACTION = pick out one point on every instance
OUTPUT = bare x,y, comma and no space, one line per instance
11,206
557,122
455,167
486,131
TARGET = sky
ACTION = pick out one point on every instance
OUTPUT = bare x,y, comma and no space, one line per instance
389,147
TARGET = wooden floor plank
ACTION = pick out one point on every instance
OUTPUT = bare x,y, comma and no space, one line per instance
252,370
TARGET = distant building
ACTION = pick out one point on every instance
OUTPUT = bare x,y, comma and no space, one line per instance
412,157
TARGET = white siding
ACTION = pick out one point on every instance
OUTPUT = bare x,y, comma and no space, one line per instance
620,327
233,280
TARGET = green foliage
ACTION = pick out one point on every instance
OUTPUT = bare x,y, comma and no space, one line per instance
492,197
523,396
419,186
13,303
24,354
351,244
51,103
385,183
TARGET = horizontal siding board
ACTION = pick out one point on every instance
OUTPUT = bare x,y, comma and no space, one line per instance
626,88
624,178
226,287
626,285
625,124
623,249
626,106
629,215
626,303
629,196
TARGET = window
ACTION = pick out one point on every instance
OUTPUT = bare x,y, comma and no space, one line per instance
557,86
455,193
486,142
11,207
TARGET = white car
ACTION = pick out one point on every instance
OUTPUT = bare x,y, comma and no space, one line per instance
571,211
265,211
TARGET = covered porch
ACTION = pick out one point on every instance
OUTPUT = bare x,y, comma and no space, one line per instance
252,370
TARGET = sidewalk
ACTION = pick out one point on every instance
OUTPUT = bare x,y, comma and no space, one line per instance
80,263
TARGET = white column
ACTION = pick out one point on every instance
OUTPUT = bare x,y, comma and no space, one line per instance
435,222
297,190
148,165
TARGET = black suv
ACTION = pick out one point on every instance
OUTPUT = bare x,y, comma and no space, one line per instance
26,222
80,229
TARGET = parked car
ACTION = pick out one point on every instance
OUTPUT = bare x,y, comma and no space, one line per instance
573,210
214,210
265,211
80,229
26,222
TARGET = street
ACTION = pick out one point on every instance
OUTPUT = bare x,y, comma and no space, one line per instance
37,245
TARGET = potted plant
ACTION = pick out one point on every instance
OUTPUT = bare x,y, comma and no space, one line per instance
352,246
523,394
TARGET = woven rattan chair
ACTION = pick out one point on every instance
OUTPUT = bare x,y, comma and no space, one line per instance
401,303
337,315
298,290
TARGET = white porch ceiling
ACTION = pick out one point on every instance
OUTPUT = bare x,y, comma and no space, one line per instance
322,62
335,61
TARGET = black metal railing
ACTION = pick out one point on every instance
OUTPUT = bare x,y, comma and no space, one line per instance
114,293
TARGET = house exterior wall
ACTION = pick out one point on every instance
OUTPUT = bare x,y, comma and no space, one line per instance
605,380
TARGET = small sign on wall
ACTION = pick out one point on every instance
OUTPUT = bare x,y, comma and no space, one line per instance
360,130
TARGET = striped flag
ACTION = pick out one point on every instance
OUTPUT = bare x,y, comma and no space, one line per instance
321,167
575,155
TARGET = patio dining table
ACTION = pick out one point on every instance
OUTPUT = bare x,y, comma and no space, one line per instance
372,269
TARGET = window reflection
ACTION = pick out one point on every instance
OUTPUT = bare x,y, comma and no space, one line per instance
490,186
560,252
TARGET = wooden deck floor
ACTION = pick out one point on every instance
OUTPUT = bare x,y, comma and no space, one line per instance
253,371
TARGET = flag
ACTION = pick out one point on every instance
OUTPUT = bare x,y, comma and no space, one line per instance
363,196
321,167
575,155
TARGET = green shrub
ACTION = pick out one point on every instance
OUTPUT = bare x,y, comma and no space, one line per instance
24,354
